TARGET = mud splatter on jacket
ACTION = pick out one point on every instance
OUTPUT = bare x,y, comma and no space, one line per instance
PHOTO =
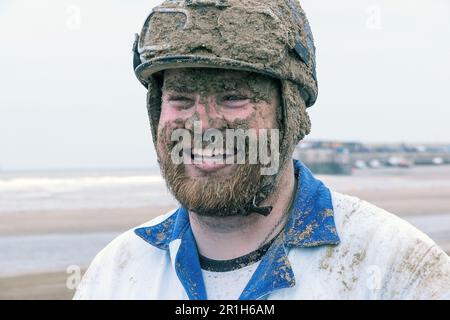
333,247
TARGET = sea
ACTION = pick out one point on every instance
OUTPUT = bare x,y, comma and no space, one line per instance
73,189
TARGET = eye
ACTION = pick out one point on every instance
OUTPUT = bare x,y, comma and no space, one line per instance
234,100
181,102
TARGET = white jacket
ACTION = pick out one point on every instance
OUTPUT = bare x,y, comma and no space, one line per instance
334,247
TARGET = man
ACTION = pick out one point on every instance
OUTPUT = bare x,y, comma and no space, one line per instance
244,231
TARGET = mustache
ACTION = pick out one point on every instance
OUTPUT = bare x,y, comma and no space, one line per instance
207,140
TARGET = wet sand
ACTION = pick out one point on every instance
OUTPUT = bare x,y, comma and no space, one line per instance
417,201
42,286
76,221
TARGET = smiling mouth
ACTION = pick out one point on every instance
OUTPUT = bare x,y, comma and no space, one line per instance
211,160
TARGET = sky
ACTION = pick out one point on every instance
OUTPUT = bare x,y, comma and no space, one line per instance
69,98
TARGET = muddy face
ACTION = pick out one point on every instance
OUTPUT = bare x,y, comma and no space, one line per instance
218,99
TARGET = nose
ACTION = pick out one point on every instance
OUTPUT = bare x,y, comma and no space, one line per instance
205,112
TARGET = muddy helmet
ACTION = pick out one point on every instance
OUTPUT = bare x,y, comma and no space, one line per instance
270,37
264,36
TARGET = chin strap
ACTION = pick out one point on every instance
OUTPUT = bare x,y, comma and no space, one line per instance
136,57
265,211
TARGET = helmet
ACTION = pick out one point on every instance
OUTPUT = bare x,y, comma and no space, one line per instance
264,36
270,37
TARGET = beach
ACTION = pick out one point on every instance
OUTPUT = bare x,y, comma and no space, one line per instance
39,244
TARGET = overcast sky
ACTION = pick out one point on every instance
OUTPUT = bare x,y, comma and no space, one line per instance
69,98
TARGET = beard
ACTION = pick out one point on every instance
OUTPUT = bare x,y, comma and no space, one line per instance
213,195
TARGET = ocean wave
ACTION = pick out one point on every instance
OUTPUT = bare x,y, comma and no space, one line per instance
73,183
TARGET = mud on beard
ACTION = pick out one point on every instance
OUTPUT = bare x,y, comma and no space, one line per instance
215,196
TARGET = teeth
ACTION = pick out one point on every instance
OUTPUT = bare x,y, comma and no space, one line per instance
212,152
207,153
220,152
229,152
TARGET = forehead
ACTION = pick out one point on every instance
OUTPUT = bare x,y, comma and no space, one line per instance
213,79
189,73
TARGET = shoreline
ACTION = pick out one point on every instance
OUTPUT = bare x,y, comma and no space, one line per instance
401,202
77,220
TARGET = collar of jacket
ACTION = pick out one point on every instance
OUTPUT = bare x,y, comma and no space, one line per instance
310,224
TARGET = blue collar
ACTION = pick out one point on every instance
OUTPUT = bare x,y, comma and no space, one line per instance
310,224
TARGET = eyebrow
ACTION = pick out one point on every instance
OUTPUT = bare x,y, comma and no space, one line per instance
175,92
179,97
185,87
